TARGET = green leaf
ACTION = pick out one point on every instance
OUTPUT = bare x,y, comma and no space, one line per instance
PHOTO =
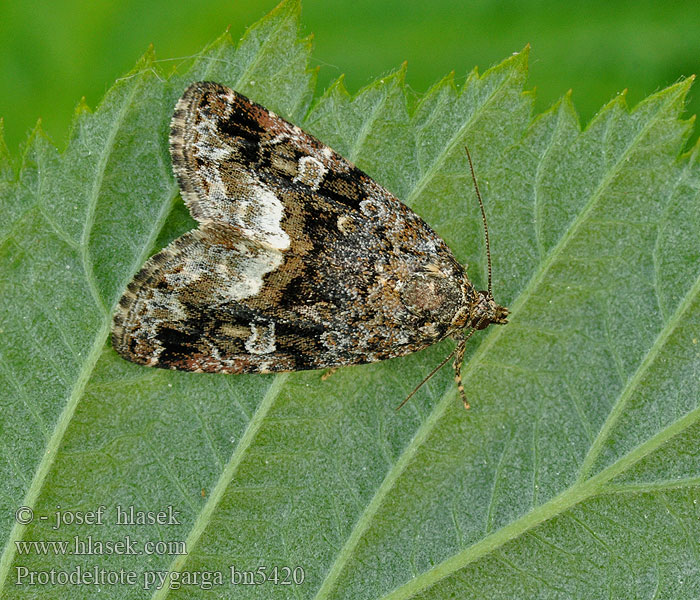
575,475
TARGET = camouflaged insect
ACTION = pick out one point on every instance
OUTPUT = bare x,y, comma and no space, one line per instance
301,260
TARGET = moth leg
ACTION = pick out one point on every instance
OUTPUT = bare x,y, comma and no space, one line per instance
457,365
328,372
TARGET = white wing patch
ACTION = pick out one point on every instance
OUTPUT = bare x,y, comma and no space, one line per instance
230,273
262,339
310,171
245,270
260,215
231,194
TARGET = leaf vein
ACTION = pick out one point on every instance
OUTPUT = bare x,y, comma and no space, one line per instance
94,194
73,396
455,140
205,515
626,393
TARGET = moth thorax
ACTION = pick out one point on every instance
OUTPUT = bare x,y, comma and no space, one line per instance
433,295
485,311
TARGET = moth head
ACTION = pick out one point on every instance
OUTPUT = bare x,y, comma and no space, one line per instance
486,311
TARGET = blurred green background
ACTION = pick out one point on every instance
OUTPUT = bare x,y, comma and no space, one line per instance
52,52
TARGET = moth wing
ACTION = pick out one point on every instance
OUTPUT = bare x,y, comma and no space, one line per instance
240,164
186,309
216,301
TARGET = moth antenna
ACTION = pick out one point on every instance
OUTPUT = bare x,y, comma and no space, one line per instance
483,217
430,375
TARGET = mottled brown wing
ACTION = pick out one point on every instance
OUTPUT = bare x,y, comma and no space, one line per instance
238,163
349,273
184,309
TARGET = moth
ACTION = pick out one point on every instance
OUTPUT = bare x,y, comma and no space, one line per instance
300,261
